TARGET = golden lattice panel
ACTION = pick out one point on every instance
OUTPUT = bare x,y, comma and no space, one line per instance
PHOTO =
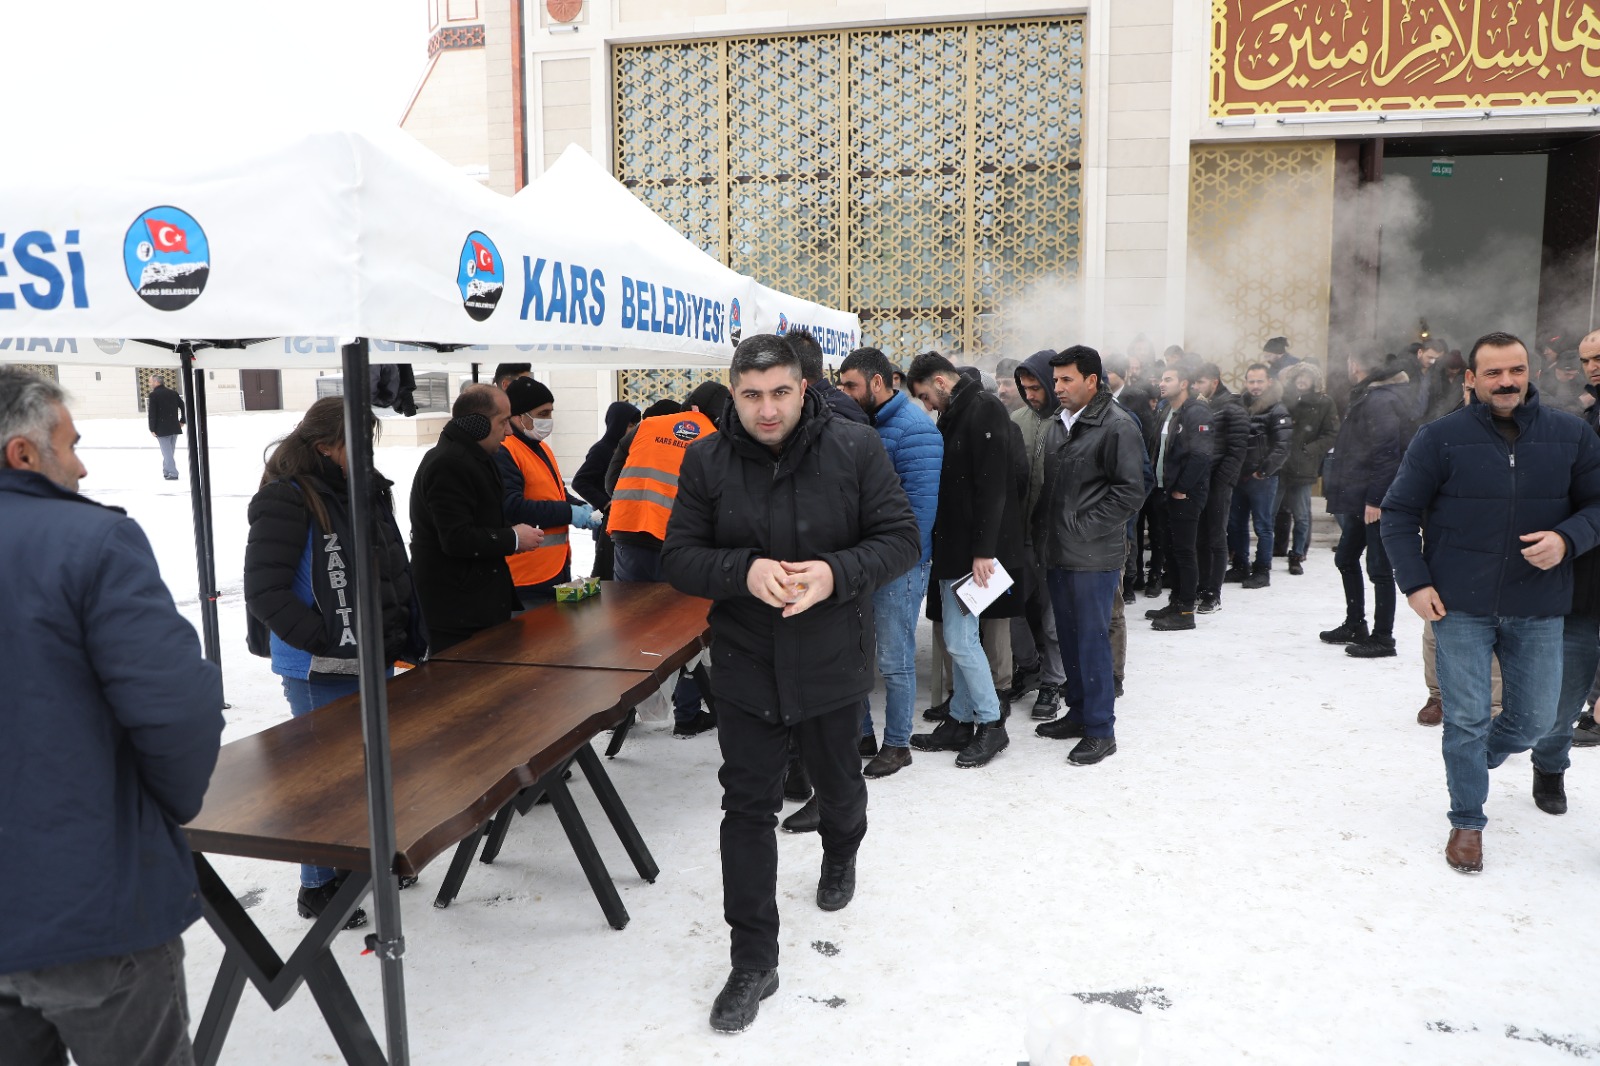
1260,250
141,380
644,387
48,371
924,177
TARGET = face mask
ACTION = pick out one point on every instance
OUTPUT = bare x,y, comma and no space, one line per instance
542,428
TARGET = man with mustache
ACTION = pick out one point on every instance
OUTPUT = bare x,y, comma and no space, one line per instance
1504,493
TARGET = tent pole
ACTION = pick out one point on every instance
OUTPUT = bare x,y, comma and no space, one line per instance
210,593
198,494
387,943
474,373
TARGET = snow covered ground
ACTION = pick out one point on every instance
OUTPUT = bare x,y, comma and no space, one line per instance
1262,858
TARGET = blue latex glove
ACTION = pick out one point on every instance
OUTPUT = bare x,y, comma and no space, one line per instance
586,517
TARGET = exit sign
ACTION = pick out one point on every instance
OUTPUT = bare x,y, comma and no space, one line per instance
1443,168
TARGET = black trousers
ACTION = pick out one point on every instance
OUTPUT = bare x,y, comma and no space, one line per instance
1211,543
755,754
1180,522
1147,531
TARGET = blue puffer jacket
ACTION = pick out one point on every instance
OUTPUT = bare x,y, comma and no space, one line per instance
109,727
1475,495
916,448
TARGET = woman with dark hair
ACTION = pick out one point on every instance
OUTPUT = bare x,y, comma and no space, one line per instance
297,586
590,480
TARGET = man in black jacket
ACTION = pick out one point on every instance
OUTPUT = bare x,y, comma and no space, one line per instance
165,411
1093,485
1270,428
1231,427
809,351
788,520
978,522
1183,451
459,537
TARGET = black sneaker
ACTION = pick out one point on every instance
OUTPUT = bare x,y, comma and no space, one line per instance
1128,596
1234,575
938,712
1296,567
1207,605
1586,734
1175,622
1152,589
868,746
805,820
948,735
313,901
1062,728
1549,792
700,723
836,887
1091,750
988,740
1258,579
1022,683
796,782
1349,633
1162,612
736,1005
1047,703
1376,646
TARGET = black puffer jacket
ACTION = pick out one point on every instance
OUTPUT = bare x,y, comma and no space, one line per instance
1316,426
1270,431
1367,452
282,530
460,538
1191,443
1230,426
831,494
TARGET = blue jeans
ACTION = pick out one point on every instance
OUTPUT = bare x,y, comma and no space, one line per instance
1580,654
1253,498
634,563
305,697
974,699
1296,499
895,607
1530,669
1083,600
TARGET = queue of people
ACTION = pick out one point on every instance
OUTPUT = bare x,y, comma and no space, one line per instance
819,519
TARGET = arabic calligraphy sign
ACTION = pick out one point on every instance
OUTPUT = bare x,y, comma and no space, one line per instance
1282,56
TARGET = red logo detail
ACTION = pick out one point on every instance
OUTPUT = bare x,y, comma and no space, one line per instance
485,257
167,237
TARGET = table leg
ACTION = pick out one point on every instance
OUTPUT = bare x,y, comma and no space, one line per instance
495,838
621,821
458,869
247,954
583,846
620,734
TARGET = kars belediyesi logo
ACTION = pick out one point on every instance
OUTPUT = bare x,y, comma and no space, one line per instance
735,326
481,276
783,324
686,430
167,258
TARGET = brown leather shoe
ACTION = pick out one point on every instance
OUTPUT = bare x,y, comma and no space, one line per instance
1464,852
1432,712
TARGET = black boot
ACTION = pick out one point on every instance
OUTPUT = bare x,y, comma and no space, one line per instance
1047,702
1348,633
890,760
938,712
1091,750
1162,612
1296,564
1152,587
1259,578
948,735
804,820
1235,574
1062,728
313,901
988,740
1549,792
736,1005
837,885
1177,621
1377,646
796,783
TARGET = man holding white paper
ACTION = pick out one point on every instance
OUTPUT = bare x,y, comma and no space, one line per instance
1093,484
978,523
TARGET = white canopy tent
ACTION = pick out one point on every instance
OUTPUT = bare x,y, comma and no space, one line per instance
229,256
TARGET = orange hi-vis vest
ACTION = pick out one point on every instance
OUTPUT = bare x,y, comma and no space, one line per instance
539,482
642,501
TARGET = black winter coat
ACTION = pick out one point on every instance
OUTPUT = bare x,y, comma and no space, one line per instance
841,405
1191,444
1316,426
1477,495
1093,484
280,522
460,538
1270,431
164,409
1230,429
830,494
590,480
980,509
1366,454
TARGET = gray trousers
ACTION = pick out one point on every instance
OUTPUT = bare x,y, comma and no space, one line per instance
123,1010
169,461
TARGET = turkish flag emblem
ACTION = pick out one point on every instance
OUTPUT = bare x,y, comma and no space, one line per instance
166,236
485,257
